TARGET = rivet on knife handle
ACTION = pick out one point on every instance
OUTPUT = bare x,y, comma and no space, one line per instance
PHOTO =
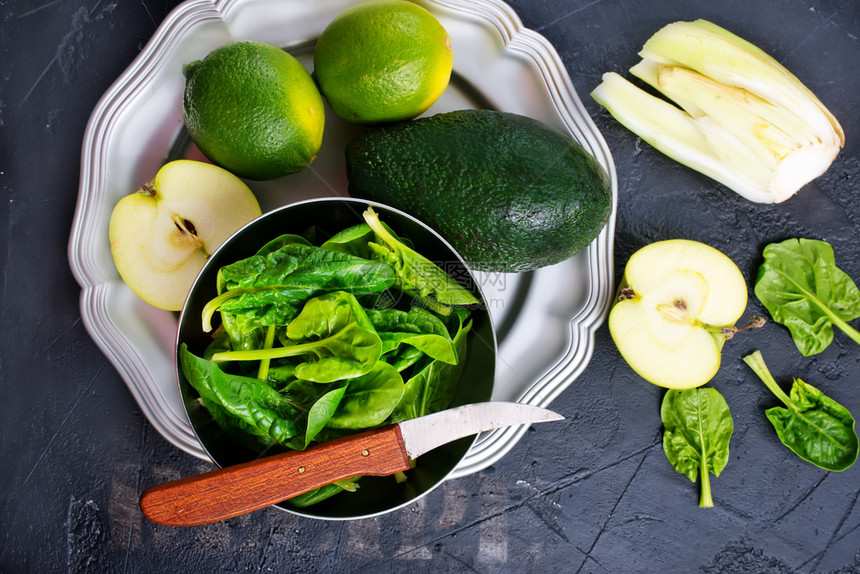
229,492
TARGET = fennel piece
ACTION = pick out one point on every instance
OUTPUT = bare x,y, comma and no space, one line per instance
731,111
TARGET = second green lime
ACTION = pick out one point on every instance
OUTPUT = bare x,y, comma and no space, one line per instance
253,109
383,61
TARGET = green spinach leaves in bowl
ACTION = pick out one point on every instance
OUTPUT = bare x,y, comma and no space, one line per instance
324,318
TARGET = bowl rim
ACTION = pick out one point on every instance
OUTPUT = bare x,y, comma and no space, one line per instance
478,290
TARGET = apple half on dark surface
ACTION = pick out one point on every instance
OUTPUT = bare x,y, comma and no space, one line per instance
161,235
677,304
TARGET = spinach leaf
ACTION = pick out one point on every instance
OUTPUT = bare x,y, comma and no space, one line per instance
251,437
281,375
814,426
220,342
320,494
323,402
369,399
280,241
272,286
697,430
319,328
322,411
333,337
256,406
245,406
416,275
418,328
275,244
247,332
803,289
353,241
244,331
433,386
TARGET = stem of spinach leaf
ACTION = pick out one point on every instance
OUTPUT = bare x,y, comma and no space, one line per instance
263,371
845,327
705,500
347,484
267,354
835,319
757,364
215,304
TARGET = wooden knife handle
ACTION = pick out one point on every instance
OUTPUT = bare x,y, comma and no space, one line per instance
235,490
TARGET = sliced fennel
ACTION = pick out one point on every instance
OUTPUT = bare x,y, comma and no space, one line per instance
739,116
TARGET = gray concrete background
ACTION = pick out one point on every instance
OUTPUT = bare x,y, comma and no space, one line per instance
594,494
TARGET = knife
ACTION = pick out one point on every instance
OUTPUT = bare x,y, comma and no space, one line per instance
235,490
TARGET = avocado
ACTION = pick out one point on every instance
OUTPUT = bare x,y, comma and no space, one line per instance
510,193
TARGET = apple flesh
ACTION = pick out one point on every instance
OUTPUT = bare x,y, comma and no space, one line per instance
161,235
676,306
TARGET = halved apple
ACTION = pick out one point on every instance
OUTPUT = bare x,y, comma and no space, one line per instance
161,235
677,304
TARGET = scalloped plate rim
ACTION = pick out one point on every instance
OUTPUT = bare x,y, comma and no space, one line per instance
96,289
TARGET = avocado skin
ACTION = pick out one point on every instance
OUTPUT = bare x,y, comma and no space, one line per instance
510,193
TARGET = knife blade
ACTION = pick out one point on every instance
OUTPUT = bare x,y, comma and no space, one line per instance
234,490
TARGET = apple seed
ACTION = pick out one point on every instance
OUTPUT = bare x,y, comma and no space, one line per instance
677,312
187,230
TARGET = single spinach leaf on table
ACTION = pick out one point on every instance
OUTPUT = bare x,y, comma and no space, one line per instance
814,426
272,287
332,336
803,289
697,429
416,275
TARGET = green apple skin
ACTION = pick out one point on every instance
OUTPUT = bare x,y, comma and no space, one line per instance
161,235
676,301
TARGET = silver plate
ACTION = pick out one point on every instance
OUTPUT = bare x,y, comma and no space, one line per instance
545,320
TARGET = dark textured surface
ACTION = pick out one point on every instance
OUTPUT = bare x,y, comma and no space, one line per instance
593,494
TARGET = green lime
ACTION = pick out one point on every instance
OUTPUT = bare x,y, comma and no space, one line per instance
383,60
254,110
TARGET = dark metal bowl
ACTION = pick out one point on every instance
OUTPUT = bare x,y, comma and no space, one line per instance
376,495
